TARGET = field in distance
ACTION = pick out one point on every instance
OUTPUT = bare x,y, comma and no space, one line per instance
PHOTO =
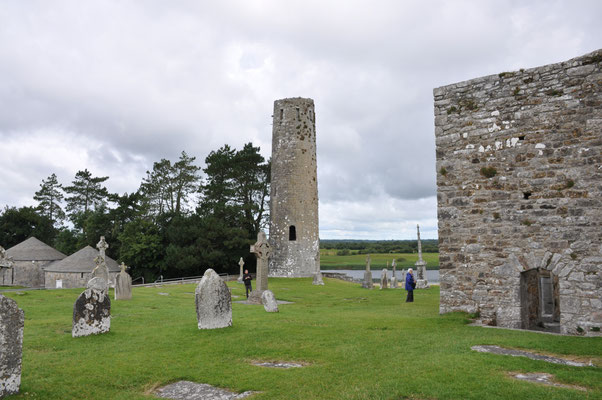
330,260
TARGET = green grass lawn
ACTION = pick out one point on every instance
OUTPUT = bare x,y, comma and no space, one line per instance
358,344
329,260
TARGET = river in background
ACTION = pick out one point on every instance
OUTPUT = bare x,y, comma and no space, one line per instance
431,275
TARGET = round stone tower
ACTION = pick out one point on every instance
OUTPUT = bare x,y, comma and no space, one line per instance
294,190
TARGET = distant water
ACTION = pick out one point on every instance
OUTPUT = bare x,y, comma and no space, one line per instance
431,275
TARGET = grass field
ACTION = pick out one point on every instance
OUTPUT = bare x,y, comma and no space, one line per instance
329,260
358,344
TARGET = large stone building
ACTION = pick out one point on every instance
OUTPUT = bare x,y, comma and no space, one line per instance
294,190
75,271
519,177
29,258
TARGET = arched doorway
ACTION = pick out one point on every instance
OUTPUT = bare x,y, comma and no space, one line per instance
539,298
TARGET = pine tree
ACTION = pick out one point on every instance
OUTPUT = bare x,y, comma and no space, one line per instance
87,194
167,187
49,198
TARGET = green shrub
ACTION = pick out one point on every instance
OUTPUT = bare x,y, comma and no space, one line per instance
488,172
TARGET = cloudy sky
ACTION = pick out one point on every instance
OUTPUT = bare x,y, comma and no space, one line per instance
114,86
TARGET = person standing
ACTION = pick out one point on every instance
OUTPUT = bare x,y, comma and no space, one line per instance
246,278
410,285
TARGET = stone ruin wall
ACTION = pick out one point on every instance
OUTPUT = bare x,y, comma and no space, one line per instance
24,273
73,279
294,190
519,177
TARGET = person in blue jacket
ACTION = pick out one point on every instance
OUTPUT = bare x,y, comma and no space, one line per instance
410,285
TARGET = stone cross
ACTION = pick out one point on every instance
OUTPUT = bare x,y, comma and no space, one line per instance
102,245
241,263
367,283
262,251
419,244
421,282
123,267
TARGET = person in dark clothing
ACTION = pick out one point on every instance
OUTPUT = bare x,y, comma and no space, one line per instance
410,285
246,278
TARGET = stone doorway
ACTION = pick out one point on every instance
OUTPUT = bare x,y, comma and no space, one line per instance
539,297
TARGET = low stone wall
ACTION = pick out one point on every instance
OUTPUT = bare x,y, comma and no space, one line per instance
341,276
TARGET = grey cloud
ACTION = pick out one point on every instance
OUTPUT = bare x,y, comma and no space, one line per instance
125,84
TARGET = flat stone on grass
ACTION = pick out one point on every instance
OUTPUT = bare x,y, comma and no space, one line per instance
542,378
278,364
532,356
186,390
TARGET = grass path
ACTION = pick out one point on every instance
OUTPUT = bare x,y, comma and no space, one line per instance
359,344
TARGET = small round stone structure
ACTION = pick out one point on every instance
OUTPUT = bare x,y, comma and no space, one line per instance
294,190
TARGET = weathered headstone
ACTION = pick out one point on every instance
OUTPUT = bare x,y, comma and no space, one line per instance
101,270
269,301
318,274
241,263
394,276
262,251
213,302
384,280
123,285
12,321
421,282
92,311
367,284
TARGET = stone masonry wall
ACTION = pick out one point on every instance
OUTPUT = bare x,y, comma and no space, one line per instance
24,273
294,190
519,177
73,279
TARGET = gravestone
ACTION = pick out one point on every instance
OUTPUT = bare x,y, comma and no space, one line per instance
367,284
384,281
92,310
394,276
123,285
241,263
421,281
12,320
101,270
262,251
213,302
269,301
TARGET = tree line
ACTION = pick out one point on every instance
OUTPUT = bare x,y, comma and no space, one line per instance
181,220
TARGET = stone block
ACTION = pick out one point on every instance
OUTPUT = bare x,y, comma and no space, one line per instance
12,320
